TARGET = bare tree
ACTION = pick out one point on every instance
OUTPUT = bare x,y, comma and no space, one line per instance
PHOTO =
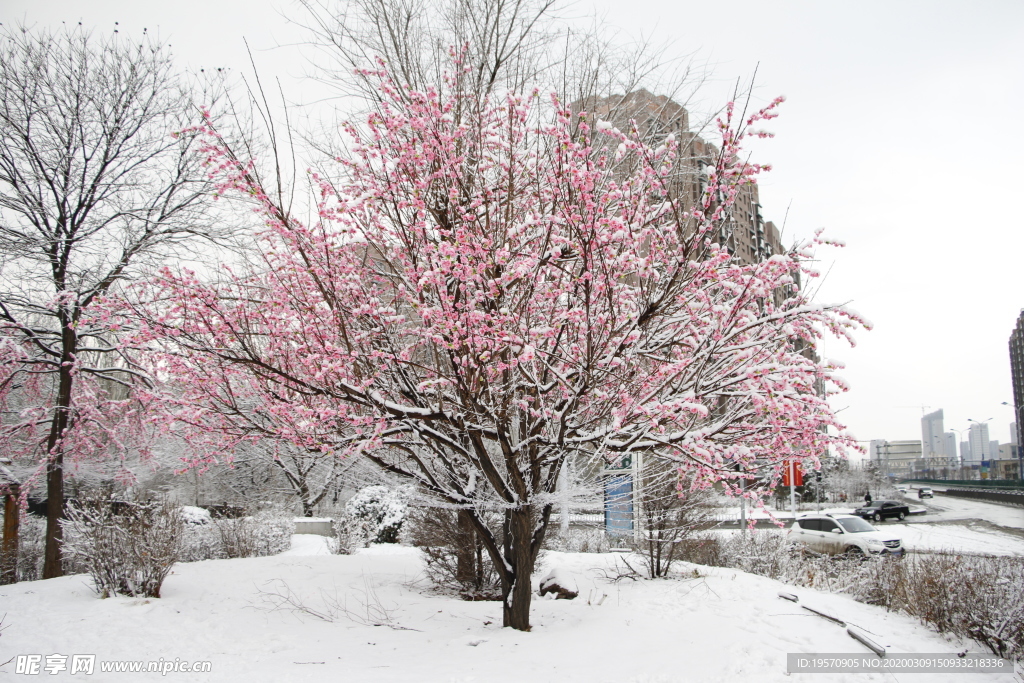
99,177
501,45
671,514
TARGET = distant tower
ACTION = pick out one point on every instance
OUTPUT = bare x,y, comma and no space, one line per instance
933,441
1017,377
949,439
980,443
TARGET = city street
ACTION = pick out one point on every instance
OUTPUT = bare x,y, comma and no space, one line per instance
944,508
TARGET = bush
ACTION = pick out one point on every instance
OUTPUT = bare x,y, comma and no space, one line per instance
255,536
129,552
970,596
577,541
455,559
381,510
32,547
349,535
671,514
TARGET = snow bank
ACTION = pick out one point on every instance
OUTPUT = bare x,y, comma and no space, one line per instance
714,625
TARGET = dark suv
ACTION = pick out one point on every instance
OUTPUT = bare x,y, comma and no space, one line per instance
882,509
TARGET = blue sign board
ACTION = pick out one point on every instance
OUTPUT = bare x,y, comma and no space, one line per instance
618,505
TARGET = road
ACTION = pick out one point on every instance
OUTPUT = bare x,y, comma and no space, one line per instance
945,508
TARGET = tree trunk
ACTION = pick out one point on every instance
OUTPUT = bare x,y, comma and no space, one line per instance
53,565
9,549
516,586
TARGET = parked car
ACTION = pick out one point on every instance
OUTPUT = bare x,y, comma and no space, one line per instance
832,534
925,492
883,509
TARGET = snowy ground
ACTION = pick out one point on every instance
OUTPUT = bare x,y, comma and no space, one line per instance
716,625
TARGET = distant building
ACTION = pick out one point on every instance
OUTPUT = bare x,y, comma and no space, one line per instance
949,439
875,449
1013,434
965,452
981,445
1008,451
1005,464
1017,379
747,236
898,458
933,435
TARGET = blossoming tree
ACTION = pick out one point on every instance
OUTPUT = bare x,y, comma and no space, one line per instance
482,297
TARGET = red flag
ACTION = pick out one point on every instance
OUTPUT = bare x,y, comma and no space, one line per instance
791,470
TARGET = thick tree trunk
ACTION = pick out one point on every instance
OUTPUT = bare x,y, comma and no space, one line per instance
53,565
9,549
516,586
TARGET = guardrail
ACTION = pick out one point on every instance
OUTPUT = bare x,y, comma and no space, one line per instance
971,483
1013,497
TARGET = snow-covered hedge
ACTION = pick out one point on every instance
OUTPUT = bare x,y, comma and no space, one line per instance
971,596
262,534
592,540
381,510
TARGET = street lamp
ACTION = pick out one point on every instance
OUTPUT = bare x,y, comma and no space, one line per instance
1020,452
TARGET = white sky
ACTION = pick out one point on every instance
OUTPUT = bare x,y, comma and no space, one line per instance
901,135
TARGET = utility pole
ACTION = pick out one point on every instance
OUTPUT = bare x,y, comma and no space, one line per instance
743,500
792,486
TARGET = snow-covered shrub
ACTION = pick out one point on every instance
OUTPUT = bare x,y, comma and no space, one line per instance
349,535
381,509
194,515
31,548
766,554
455,559
201,542
578,541
702,548
129,551
669,517
971,596
259,535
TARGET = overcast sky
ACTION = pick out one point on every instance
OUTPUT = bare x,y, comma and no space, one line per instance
901,135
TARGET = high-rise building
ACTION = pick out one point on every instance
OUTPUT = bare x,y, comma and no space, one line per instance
965,452
933,441
1017,375
746,234
980,443
949,444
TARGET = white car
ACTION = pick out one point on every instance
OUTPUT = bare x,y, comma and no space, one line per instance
838,533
